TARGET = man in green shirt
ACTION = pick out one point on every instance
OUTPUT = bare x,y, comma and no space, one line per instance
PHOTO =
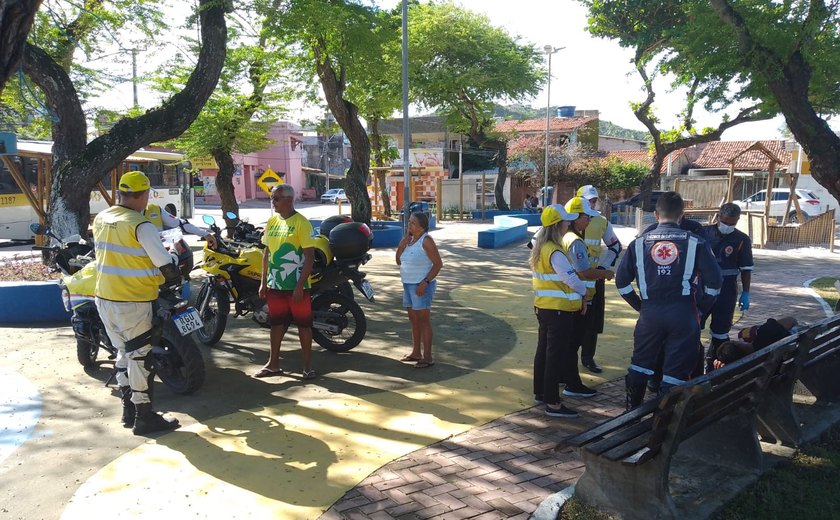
287,264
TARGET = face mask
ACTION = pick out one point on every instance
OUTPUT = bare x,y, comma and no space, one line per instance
725,228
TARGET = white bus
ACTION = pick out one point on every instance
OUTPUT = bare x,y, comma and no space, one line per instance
171,187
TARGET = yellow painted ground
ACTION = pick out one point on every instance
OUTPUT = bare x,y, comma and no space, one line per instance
295,460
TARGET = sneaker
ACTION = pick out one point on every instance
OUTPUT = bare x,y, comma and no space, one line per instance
579,391
309,374
592,366
560,411
539,399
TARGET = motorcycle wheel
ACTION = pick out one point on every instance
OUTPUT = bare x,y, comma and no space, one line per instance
178,363
214,315
334,310
86,351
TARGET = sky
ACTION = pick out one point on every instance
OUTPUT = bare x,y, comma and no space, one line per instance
588,73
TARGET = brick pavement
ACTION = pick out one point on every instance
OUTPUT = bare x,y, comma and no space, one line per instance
507,467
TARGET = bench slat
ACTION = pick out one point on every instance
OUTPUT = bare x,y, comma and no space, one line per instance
611,425
698,422
622,437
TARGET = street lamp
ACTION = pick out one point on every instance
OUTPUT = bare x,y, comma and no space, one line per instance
549,50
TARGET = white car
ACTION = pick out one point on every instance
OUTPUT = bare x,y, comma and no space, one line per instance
334,195
808,202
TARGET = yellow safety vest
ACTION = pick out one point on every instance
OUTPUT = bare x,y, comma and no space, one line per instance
549,291
125,273
593,237
568,239
152,213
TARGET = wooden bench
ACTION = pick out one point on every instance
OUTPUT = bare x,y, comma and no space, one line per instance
714,417
816,363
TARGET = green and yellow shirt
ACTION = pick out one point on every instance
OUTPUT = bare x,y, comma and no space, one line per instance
285,239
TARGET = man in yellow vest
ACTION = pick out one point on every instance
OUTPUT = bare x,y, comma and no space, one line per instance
131,265
599,233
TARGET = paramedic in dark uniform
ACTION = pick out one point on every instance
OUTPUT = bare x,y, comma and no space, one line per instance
663,262
604,247
733,251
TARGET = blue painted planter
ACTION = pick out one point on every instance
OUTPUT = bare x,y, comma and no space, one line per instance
386,233
533,219
31,302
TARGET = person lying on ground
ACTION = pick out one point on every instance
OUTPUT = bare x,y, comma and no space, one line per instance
755,338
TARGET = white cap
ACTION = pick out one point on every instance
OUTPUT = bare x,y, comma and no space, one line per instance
588,192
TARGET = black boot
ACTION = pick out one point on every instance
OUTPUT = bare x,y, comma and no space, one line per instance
149,421
635,394
129,411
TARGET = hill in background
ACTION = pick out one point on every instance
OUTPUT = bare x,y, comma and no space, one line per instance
521,112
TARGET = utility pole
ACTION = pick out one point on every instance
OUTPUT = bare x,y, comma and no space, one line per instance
134,75
406,133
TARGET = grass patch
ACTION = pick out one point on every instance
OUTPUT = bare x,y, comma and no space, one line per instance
824,287
807,486
574,509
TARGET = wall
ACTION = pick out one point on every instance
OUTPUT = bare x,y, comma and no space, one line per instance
612,144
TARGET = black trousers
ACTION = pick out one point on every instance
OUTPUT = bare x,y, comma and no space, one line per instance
555,360
593,323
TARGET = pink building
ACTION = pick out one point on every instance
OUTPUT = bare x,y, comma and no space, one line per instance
283,157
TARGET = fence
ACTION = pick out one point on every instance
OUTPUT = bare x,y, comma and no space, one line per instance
817,231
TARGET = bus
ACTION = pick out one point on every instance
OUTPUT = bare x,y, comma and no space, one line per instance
171,186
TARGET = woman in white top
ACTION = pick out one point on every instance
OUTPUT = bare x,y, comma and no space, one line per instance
420,263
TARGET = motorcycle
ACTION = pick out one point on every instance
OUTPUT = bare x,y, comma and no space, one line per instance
176,358
339,323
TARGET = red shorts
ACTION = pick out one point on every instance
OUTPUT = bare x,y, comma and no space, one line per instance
283,310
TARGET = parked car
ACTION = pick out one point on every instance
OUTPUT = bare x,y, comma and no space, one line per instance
808,202
334,195
636,201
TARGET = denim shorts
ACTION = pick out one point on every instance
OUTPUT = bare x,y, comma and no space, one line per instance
418,303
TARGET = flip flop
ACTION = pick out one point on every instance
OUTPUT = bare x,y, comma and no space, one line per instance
267,372
409,358
424,364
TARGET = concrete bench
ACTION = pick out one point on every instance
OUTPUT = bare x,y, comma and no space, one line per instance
533,218
712,418
506,230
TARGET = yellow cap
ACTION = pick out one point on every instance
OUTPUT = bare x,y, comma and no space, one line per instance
553,214
578,205
134,182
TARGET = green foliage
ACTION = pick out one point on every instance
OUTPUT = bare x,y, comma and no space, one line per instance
248,97
461,65
613,130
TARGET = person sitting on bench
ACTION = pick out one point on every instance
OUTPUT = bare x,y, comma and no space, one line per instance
754,338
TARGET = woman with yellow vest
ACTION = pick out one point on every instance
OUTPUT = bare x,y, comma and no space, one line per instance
604,247
578,255
558,297
131,264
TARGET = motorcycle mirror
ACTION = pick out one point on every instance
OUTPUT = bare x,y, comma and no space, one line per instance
208,220
231,215
38,229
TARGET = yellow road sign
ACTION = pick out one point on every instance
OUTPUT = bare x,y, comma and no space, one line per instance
268,180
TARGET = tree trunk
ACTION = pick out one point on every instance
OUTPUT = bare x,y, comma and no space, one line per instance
16,17
499,190
789,79
224,186
347,116
78,167
376,145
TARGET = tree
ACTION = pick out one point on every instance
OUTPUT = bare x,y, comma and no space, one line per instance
78,165
771,56
339,42
460,65
16,17
227,122
652,31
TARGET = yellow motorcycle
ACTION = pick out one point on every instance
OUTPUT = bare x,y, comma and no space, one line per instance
339,323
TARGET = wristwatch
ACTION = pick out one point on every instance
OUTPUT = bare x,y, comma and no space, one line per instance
427,280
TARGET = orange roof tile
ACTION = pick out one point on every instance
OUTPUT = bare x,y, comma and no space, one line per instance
717,155
565,124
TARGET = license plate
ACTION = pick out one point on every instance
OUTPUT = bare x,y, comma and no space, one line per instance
367,289
187,321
